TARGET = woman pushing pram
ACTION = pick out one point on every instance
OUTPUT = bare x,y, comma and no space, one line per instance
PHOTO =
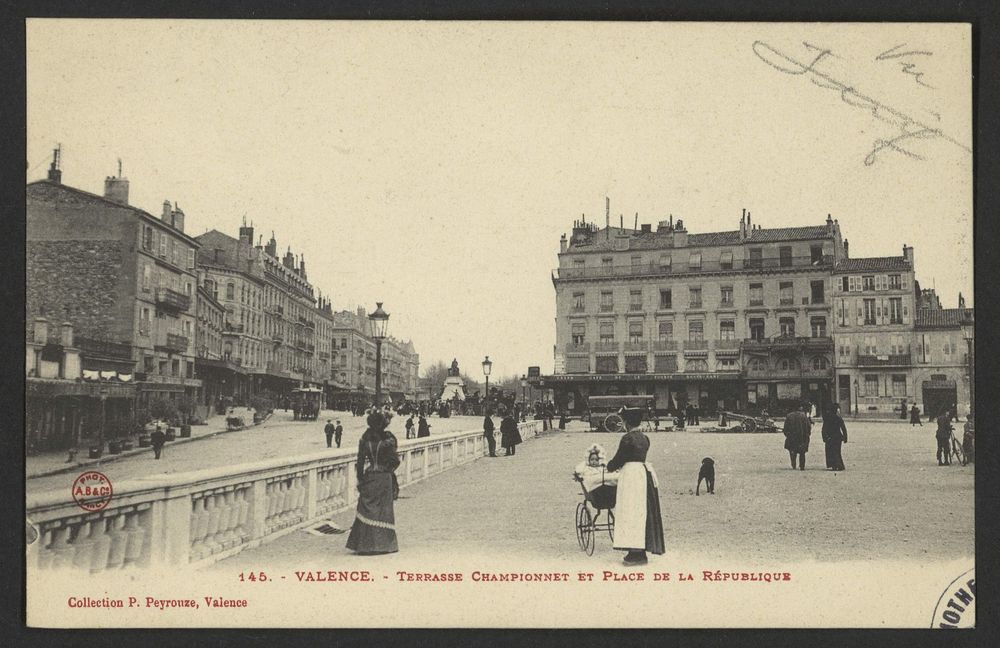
600,490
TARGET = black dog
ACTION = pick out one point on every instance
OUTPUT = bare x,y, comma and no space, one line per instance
706,473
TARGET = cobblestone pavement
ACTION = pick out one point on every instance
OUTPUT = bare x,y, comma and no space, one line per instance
892,502
279,436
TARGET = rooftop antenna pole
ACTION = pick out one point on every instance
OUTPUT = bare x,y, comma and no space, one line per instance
119,167
635,227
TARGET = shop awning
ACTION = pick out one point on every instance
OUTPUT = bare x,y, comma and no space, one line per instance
940,384
647,377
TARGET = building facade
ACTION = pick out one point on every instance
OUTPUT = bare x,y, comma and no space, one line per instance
942,366
353,361
727,320
125,278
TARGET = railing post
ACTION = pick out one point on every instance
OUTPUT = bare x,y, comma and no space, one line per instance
170,531
258,508
352,481
312,477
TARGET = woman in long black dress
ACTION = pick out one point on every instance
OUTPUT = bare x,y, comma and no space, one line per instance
638,525
374,529
834,434
509,436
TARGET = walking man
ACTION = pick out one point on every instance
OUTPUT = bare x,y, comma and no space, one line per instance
329,430
409,427
797,435
338,433
943,436
488,428
158,439
915,416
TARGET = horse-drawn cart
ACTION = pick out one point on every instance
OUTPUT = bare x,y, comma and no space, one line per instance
761,423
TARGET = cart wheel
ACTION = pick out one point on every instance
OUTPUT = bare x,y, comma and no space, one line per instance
956,450
614,423
585,528
611,525
749,425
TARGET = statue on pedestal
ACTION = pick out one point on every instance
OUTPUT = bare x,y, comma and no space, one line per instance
454,386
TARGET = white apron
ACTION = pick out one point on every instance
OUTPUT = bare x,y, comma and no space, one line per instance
630,509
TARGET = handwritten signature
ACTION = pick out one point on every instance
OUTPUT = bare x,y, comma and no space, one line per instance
908,68
910,128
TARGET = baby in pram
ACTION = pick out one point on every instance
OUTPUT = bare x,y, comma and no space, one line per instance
593,474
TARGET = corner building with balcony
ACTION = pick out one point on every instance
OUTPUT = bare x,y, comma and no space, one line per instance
735,320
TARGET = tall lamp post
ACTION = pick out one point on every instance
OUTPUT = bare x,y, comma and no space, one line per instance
524,386
487,367
855,396
379,321
969,333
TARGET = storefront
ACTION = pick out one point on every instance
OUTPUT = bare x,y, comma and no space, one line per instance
672,391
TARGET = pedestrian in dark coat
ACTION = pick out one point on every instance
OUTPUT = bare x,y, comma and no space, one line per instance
834,434
423,428
488,429
797,432
902,409
943,436
338,433
915,416
329,430
509,436
409,427
157,439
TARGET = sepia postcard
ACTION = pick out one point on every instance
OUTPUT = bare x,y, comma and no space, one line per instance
372,324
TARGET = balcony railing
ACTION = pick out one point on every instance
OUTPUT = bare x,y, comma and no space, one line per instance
890,360
606,345
103,348
638,345
664,345
172,299
721,345
654,268
816,343
695,345
578,347
177,343
234,328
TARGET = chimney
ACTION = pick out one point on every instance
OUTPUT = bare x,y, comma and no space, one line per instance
116,187
743,225
272,246
165,215
829,223
177,218
302,265
246,233
66,334
680,234
563,243
41,331
961,301
55,173
647,228
847,249
908,254
289,260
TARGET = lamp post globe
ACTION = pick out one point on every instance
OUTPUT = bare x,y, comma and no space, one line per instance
379,322
487,367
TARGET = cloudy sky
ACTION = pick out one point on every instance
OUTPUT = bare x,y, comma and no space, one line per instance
433,166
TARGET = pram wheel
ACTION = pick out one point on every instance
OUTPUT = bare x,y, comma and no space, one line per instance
611,525
585,528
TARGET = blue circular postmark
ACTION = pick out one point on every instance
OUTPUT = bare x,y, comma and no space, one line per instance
957,606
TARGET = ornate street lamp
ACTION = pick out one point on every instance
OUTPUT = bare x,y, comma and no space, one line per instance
524,387
487,367
969,333
379,321
855,396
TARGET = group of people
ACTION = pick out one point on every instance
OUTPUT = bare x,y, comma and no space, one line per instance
423,428
510,438
798,430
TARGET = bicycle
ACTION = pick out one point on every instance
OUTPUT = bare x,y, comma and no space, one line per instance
956,450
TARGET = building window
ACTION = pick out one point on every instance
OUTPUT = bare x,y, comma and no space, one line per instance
635,332
871,384
696,330
607,364
854,284
757,328
818,326
163,246
895,282
635,300
636,260
635,364
343,343
607,332
578,301
579,332
896,310
147,238
786,326
899,384
666,302
756,294
145,278
666,331
869,306
757,364
230,291
190,258
726,296
785,295
756,259
871,345
845,283
727,364
606,264
694,261
817,292
868,282
665,262
727,330
726,260
787,364
819,363
666,364
696,365
785,256
607,301
694,298
815,254
578,364
896,346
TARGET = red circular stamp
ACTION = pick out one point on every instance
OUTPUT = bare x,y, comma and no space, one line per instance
92,491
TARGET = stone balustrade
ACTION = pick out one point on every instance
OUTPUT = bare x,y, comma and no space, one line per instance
199,517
